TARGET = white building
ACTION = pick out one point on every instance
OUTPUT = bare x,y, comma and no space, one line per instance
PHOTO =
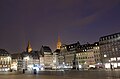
46,57
5,60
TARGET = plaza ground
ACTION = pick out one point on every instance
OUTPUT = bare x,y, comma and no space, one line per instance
63,75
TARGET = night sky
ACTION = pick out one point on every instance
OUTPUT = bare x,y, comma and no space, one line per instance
42,21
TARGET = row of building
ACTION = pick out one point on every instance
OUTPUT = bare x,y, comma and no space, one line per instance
102,54
27,60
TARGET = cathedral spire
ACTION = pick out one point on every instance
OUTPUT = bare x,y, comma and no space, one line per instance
58,43
29,48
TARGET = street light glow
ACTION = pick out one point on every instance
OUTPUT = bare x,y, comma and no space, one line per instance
105,55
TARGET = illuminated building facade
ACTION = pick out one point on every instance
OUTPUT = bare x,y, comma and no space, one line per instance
110,50
31,60
88,55
5,60
46,57
38,60
67,56
55,59
96,50
17,62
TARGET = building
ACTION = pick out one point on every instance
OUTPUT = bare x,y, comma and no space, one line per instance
88,55
16,62
55,59
37,60
55,55
96,50
5,60
67,55
30,59
110,50
61,56
46,57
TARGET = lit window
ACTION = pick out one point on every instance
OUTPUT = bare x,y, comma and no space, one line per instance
118,64
113,59
118,58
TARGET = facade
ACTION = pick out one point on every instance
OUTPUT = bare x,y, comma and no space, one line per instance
73,56
17,62
110,50
31,60
46,57
5,60
96,50
67,56
88,55
55,59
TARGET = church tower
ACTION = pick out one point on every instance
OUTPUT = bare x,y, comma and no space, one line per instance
29,48
58,43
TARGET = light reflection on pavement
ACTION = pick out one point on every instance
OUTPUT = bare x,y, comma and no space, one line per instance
64,75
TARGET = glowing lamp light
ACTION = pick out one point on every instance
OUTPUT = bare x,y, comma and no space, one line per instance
105,55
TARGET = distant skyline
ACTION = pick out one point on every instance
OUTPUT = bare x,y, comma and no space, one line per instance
42,21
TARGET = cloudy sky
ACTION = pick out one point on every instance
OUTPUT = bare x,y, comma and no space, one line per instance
42,21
